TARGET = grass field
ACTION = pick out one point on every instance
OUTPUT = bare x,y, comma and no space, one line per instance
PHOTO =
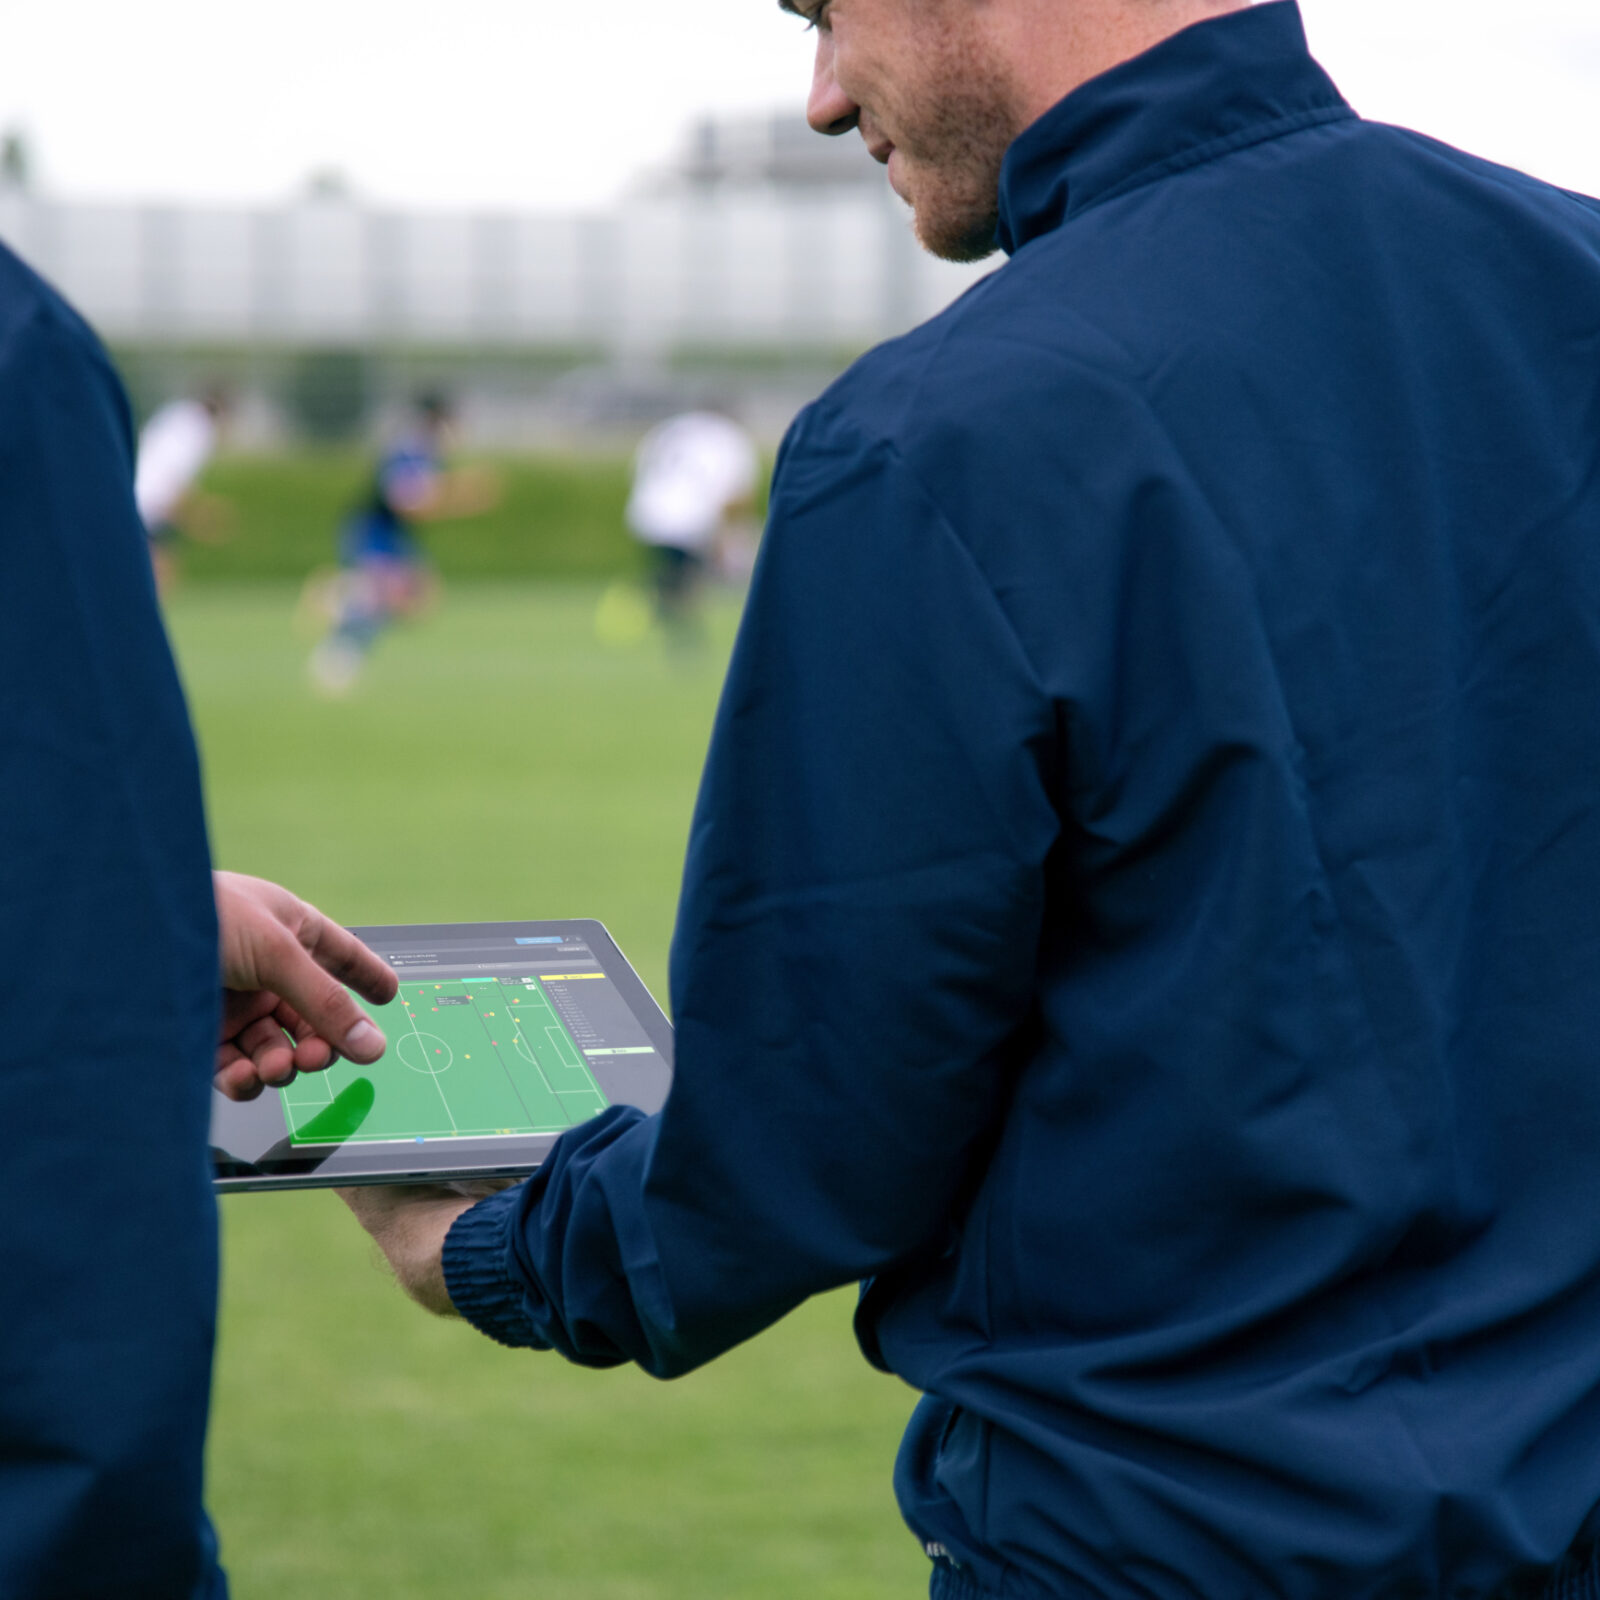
496,763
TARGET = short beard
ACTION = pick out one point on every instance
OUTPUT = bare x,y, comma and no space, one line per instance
957,217
960,145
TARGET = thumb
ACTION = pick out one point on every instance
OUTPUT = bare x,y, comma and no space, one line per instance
323,1001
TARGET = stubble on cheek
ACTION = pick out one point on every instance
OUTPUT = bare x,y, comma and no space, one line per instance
953,146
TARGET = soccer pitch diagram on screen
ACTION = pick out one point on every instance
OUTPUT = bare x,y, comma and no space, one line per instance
467,1058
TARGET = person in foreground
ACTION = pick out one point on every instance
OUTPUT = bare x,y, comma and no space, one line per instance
109,941
1142,914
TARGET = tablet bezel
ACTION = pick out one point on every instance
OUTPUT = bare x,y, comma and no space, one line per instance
643,1082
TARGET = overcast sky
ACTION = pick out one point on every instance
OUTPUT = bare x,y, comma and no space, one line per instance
534,104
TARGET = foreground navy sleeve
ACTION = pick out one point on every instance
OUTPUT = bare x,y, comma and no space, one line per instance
854,957
108,956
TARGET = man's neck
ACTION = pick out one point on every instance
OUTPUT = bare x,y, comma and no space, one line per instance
1050,47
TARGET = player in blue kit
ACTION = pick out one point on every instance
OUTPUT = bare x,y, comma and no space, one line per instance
385,575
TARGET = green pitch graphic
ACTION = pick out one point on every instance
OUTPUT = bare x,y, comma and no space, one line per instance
467,1058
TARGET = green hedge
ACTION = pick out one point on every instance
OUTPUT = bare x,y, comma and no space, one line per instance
560,517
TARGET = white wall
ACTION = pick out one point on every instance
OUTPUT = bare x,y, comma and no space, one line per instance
818,268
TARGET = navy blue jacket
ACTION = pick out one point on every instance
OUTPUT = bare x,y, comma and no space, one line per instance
1143,908
108,962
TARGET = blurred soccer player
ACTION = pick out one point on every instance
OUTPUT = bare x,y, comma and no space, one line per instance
694,480
384,573
174,448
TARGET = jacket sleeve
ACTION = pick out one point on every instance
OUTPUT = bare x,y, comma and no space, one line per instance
108,961
853,965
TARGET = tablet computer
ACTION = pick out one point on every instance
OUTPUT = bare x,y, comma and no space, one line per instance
503,1035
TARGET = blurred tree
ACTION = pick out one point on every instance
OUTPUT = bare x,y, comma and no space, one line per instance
329,183
328,393
16,160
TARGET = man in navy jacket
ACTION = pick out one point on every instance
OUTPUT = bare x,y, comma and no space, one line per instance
109,921
1142,914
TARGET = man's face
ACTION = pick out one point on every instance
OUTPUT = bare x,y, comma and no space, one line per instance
921,81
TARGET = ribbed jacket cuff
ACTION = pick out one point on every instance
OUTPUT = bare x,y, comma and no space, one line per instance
477,1271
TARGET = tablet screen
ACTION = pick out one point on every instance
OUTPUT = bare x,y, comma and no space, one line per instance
503,1035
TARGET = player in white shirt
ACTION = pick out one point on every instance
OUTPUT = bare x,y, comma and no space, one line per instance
174,447
694,478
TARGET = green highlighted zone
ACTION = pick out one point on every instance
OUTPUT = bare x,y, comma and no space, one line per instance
468,1058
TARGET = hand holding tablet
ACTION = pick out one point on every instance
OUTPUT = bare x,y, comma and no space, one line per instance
501,1036
410,1225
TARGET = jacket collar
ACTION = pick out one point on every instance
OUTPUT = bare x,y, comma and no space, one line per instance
1219,85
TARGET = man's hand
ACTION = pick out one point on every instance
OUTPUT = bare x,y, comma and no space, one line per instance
410,1223
285,968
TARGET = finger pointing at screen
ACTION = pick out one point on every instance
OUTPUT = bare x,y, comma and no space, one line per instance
286,975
